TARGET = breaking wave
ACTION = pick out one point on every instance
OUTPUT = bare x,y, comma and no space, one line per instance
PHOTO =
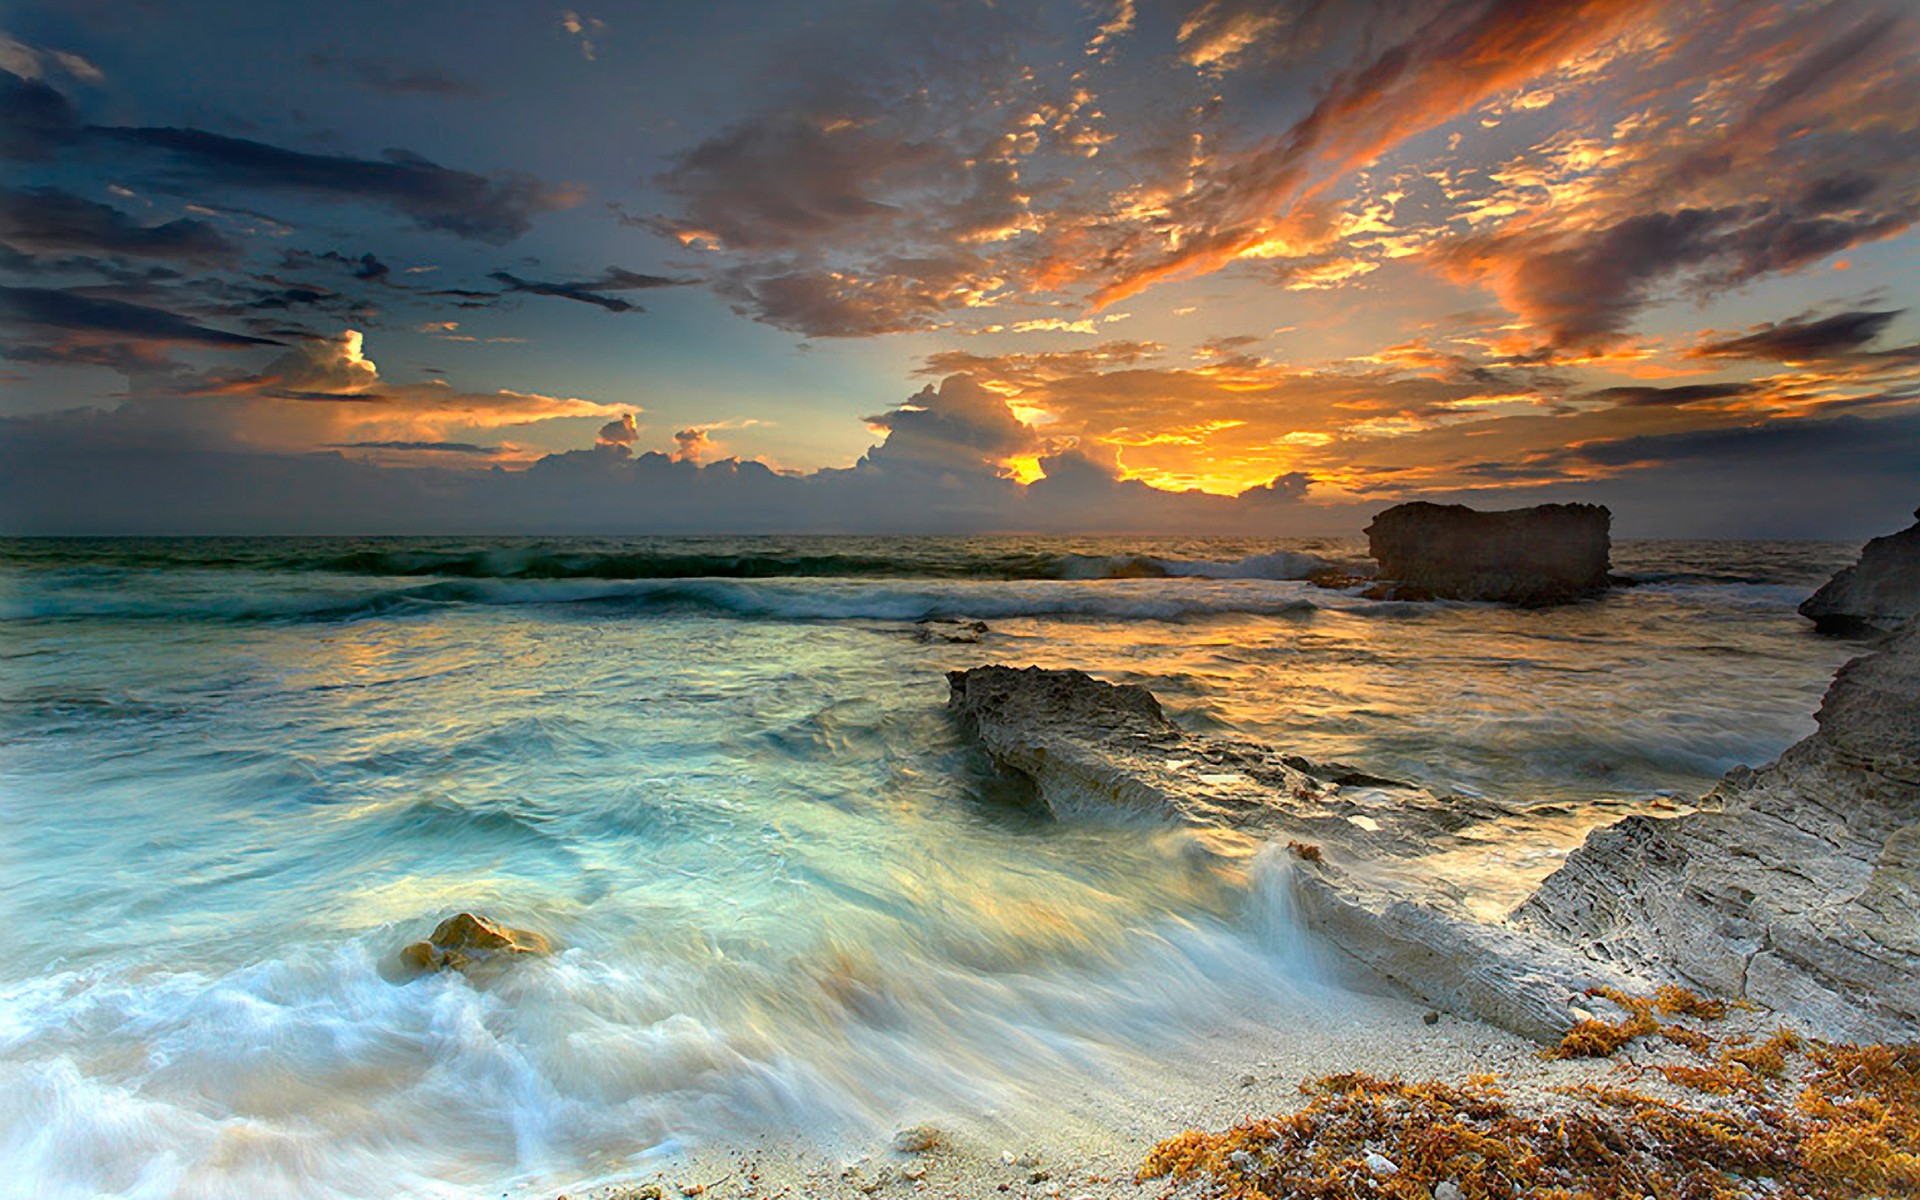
813,600
680,558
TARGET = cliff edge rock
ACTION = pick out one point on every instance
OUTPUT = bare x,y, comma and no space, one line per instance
1875,594
1796,886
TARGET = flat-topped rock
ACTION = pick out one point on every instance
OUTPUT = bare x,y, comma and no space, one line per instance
1877,593
1548,554
1797,886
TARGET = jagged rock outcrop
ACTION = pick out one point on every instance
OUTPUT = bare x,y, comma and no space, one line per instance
1875,594
1548,554
465,943
1091,746
1797,886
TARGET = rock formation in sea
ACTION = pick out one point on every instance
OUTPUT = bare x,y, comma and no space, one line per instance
1875,594
1090,746
464,942
1548,554
1796,886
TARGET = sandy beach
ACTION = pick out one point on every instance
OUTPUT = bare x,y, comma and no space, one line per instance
1098,1149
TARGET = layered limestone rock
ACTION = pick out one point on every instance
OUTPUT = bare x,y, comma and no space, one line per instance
466,943
1797,886
1875,594
1090,746
1548,554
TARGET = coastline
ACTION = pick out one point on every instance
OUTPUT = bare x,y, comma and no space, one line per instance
1165,899
1098,1141
1100,1149
1088,745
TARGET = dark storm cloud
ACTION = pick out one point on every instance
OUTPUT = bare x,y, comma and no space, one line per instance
788,179
1589,287
488,209
132,359
826,303
394,78
792,193
48,219
590,291
1839,443
1648,396
36,121
1805,338
54,308
366,267
289,296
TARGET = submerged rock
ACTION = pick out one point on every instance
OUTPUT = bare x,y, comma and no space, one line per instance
1548,554
1798,885
950,629
464,942
1091,746
1875,594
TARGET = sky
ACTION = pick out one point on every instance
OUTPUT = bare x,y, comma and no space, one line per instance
1195,266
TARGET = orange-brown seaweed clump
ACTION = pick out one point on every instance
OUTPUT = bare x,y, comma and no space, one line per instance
1592,1038
1802,1119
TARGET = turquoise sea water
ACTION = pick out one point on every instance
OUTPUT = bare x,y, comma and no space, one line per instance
236,775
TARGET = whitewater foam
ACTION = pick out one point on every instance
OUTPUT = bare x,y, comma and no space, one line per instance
789,897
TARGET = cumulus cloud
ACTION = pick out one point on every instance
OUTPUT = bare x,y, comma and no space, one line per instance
106,472
622,431
959,424
326,391
336,366
692,445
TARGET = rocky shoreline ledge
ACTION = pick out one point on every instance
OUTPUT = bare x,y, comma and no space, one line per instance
1571,1045
1796,886
1090,746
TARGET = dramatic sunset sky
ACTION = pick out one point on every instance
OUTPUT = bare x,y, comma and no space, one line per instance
1201,265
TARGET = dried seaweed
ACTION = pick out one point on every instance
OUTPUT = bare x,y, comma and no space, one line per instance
1791,1118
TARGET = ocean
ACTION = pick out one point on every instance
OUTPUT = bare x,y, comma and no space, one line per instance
789,898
